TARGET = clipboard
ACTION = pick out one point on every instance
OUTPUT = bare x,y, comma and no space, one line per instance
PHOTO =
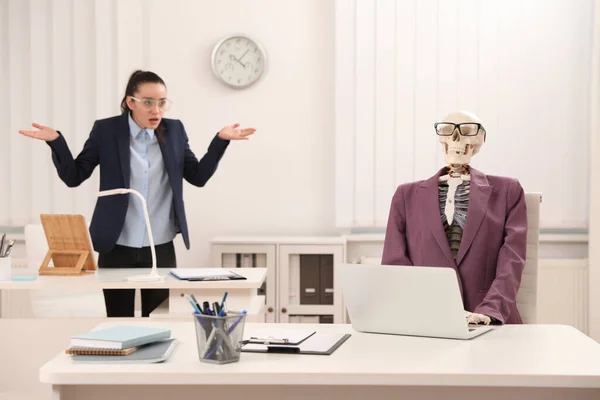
205,274
279,336
318,344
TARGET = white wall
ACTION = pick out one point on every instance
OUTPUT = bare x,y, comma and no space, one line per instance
594,235
65,63
281,181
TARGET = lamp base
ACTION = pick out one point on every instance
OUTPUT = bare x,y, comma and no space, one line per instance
145,278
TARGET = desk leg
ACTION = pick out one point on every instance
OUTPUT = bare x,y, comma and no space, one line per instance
57,391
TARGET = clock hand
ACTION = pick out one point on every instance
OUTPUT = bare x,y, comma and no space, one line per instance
232,58
243,55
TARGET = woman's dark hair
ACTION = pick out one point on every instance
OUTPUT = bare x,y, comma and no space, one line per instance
135,80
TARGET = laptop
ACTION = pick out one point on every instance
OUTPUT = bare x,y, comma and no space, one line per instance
405,300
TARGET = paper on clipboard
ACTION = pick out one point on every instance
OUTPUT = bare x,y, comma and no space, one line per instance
205,274
278,336
319,343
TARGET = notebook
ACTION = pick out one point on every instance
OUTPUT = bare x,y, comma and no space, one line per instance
319,344
120,337
151,353
205,274
100,352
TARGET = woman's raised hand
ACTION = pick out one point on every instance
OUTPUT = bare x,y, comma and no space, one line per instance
44,133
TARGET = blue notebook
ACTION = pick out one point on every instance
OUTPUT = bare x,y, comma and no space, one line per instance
120,337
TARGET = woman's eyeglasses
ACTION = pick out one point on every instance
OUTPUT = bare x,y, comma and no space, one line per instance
149,104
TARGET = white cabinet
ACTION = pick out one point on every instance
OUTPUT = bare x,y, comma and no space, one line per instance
233,254
300,285
307,289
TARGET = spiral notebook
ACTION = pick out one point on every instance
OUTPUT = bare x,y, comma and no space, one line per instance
150,353
100,352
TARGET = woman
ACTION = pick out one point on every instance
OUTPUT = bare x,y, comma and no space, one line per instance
141,150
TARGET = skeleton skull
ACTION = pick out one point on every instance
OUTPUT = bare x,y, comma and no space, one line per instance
459,149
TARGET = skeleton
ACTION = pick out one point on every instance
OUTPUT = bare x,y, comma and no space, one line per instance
461,135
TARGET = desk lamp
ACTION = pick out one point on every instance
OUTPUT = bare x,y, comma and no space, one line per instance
152,276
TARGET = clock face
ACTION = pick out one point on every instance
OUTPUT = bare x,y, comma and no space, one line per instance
238,61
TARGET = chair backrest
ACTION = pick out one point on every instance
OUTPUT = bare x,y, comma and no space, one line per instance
527,294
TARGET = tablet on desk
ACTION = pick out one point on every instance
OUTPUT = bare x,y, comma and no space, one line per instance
205,274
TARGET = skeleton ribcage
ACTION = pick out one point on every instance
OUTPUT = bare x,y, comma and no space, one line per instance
461,203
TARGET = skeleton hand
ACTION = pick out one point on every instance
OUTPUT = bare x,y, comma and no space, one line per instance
474,318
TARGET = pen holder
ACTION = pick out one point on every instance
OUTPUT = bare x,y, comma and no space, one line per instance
219,338
5,269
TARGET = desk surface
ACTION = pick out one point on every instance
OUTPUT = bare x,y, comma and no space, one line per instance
517,355
111,278
271,240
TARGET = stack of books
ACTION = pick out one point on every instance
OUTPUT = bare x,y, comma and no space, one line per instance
122,343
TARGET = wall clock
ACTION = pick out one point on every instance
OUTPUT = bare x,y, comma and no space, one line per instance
238,61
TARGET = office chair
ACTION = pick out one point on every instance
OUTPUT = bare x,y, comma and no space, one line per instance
528,291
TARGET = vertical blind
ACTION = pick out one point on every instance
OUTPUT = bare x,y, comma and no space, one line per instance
522,66
63,63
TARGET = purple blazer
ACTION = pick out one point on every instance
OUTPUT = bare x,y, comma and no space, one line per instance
491,258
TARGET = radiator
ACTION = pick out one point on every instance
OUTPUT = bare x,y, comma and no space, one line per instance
563,292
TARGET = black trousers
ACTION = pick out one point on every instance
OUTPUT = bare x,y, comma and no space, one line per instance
121,302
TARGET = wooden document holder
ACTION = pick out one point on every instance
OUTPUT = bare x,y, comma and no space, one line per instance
68,246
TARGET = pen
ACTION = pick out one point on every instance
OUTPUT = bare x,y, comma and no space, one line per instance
206,307
195,301
2,244
11,244
193,304
236,322
209,340
223,301
269,340
218,326
216,308
9,248
7,253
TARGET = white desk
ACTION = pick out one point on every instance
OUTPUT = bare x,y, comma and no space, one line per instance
242,294
519,362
